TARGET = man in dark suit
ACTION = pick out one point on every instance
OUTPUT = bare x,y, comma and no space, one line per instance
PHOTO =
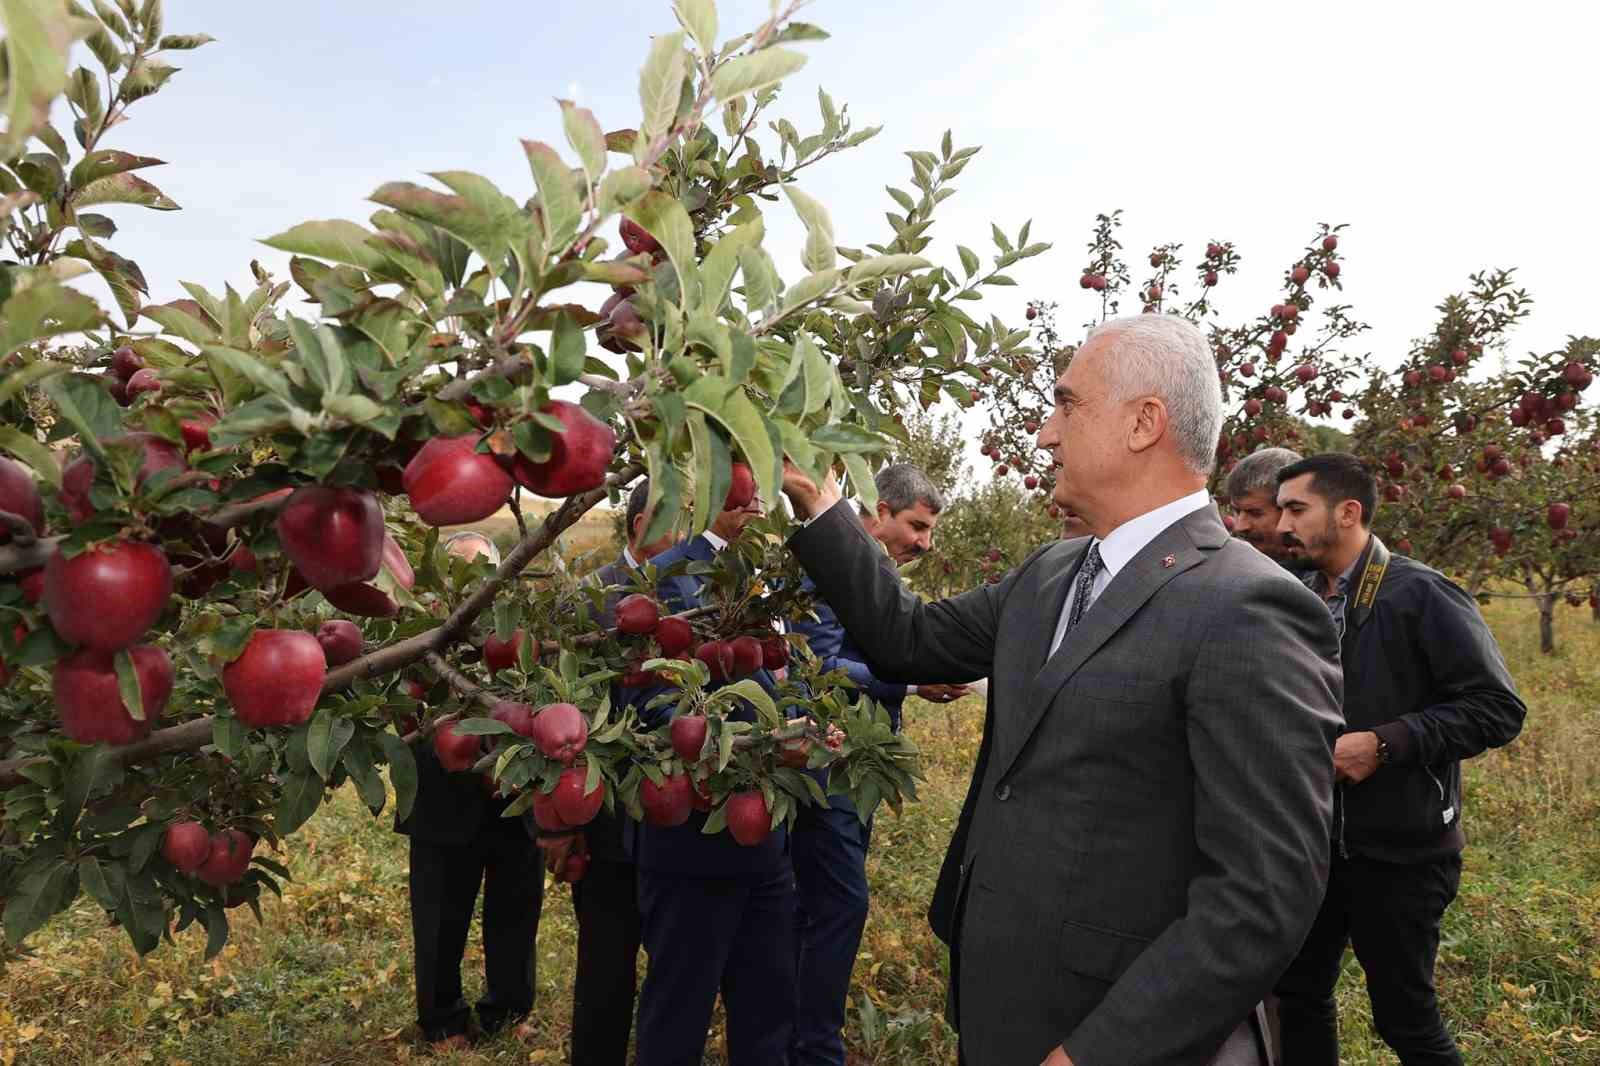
1425,687
459,840
718,916
1142,848
830,843
605,898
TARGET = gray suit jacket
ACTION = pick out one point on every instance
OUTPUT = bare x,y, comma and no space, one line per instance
1145,841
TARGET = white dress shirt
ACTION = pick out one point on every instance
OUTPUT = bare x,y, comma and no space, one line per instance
716,542
628,560
1123,543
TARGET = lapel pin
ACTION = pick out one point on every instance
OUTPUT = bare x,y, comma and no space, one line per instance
1169,562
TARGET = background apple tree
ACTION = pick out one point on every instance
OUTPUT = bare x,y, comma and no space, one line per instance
221,591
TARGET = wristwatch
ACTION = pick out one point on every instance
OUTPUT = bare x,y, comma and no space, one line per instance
1383,749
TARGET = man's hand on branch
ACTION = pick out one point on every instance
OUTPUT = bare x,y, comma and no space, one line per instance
808,500
941,693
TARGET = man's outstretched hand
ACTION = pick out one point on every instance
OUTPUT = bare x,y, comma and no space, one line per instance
808,500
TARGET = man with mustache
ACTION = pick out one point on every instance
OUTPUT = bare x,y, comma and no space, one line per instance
1253,490
1425,686
830,843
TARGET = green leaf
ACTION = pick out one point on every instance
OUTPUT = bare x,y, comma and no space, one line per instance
762,285
969,259
586,137
699,17
750,690
402,773
557,195
747,73
818,375
321,355
486,220
710,461
567,348
746,426
43,310
660,86
809,288
147,75
665,219
622,187
87,407
93,878
177,320
123,189
250,366
819,253
884,266
128,685
216,925
41,894
716,271
302,795
369,783
37,456
335,239
866,487
37,38
80,779
325,740
184,42
228,735
360,410
108,161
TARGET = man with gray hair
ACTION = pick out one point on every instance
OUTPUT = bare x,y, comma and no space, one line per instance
829,844
1145,839
1253,490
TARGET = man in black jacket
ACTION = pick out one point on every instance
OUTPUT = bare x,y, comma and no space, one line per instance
1425,686
460,840
605,898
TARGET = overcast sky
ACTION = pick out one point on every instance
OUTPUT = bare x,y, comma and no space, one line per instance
1452,137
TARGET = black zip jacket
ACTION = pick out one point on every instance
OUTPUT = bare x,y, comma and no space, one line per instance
1421,670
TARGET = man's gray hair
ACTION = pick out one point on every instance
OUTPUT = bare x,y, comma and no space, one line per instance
1258,472
902,485
490,551
1168,357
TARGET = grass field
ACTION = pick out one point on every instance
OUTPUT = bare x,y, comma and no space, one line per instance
327,979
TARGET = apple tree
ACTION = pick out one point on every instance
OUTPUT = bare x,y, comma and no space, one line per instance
221,589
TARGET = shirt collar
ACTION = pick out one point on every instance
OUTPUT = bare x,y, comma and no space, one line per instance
716,542
1129,539
627,558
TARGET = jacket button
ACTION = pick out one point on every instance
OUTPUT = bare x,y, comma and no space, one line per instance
1002,793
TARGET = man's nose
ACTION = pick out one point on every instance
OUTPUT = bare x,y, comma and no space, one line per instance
1284,525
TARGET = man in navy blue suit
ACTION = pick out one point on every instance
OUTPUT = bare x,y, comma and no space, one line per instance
605,899
718,916
830,843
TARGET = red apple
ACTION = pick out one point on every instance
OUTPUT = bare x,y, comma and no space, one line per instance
395,561
718,657
277,679
637,614
108,596
143,381
90,704
333,536
1210,277
451,484
197,432
669,804
1331,269
20,496
186,845
579,454
456,751
1247,370
674,635
125,362
560,731
1300,275
501,654
637,239
688,734
741,490
1457,492
1305,372
32,584
340,640
545,814
571,802
575,866
228,858
519,716
747,655
1557,514
748,818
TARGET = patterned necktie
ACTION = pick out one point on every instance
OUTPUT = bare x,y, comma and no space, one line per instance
1085,587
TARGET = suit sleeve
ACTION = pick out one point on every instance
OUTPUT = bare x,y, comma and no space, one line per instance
1262,713
905,640
826,638
1476,706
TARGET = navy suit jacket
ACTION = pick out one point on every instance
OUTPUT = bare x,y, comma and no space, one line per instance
831,644
685,849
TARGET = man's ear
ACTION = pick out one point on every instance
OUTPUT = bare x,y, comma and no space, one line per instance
884,512
1349,513
1150,424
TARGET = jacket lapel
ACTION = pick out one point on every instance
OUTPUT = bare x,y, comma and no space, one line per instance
1187,541
1051,599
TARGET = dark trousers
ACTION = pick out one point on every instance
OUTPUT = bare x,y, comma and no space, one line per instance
708,934
1390,914
606,903
444,889
829,846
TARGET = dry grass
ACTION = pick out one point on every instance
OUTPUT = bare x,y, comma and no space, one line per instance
327,978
